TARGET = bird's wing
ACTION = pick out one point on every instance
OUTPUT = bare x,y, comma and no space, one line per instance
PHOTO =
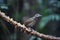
32,23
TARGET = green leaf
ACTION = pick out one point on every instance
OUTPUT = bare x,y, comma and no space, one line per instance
46,19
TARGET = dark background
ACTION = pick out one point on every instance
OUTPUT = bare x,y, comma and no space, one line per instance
49,23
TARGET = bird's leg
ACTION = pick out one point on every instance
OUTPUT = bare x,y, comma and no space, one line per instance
30,28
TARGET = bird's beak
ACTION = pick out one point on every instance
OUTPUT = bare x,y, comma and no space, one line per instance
40,15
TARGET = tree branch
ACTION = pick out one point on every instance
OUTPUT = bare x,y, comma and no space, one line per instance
24,29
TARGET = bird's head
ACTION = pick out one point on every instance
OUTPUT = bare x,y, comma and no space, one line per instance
37,15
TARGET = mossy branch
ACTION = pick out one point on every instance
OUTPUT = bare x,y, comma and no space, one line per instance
24,29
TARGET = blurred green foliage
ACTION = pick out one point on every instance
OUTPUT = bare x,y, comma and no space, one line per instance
48,18
50,11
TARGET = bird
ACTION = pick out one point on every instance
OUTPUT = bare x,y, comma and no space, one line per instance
30,22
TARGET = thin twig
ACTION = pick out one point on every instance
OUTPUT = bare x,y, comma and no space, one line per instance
24,29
